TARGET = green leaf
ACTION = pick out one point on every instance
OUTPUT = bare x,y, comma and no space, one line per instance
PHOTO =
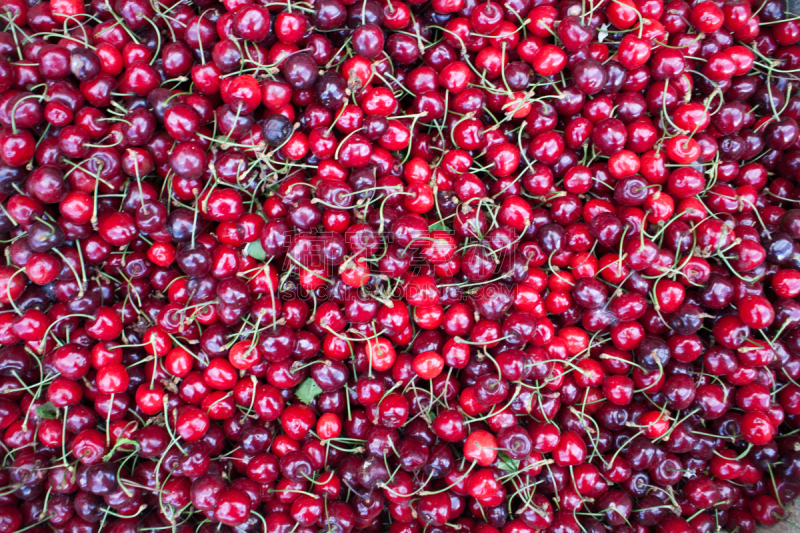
308,390
47,410
507,463
438,225
255,251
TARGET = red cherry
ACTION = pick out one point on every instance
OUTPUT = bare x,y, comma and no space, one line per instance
481,447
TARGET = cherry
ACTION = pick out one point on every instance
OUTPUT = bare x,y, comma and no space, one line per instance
212,291
232,507
590,76
573,33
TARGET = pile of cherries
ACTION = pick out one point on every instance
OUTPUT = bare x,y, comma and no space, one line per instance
405,266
